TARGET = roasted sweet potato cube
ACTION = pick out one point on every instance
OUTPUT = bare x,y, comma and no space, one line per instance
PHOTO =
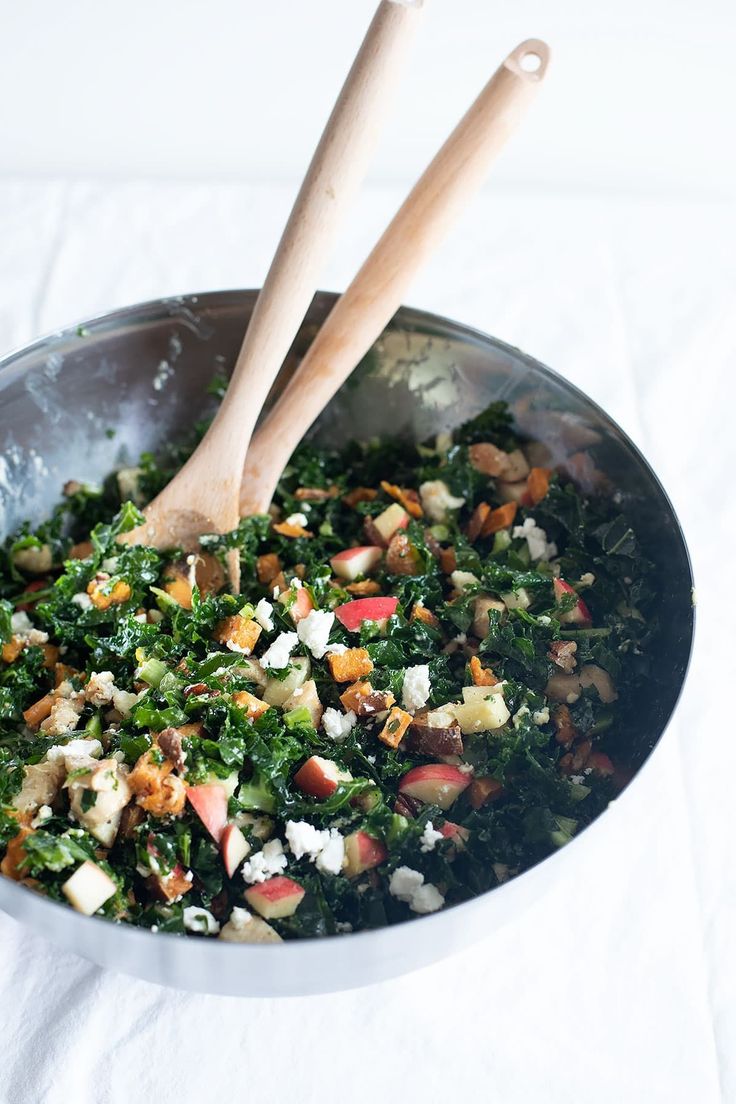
12,649
537,485
448,560
365,701
396,725
252,705
39,711
477,520
359,494
239,633
421,613
353,664
499,519
104,595
268,567
15,855
50,656
481,676
482,790
288,529
352,697
406,497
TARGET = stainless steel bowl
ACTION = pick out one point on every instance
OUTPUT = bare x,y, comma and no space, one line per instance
143,373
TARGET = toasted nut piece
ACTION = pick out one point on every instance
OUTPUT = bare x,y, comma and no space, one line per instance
239,633
600,763
15,854
448,560
577,759
365,701
286,529
252,705
396,725
499,519
408,498
421,613
477,521
487,459
157,790
366,588
434,739
81,550
268,567
350,665
360,494
130,818
39,711
566,731
103,596
316,494
170,742
482,790
537,485
516,467
562,654
481,676
402,557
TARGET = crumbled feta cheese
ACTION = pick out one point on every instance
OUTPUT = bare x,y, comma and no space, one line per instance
408,885
587,579
461,580
304,839
539,547
82,600
577,779
75,749
124,701
277,656
100,688
501,871
332,856
65,713
437,499
336,649
297,519
461,638
543,619
337,725
43,814
20,623
240,918
198,919
426,899
314,631
430,837
264,609
541,716
343,926
416,688
266,863
110,565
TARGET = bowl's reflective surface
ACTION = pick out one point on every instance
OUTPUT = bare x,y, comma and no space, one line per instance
80,403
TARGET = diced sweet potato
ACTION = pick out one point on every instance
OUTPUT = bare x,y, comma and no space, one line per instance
316,494
421,613
481,676
477,521
238,632
289,529
252,705
364,701
402,557
500,518
15,855
353,664
482,790
396,725
103,595
39,711
354,695
50,656
360,494
406,497
565,730
366,588
12,649
268,567
537,486
448,560
157,790
428,737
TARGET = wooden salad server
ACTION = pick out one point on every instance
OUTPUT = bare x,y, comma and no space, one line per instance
361,314
203,496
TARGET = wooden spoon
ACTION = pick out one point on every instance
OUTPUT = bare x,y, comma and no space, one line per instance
359,317
203,496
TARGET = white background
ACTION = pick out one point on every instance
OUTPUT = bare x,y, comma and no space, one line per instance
152,148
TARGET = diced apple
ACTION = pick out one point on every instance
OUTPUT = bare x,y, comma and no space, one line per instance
320,777
209,802
579,614
306,697
593,675
455,832
435,784
353,614
393,517
255,930
481,716
362,852
353,562
480,693
277,691
88,888
234,848
275,898
517,599
300,606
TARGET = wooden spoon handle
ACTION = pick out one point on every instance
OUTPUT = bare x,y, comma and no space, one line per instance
361,314
204,494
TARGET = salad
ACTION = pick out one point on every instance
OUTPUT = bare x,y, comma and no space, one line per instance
418,694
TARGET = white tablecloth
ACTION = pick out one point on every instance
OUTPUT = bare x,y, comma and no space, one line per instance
621,983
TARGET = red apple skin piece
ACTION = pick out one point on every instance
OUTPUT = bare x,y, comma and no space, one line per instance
357,561
302,607
209,802
362,853
455,832
353,614
579,614
318,777
275,898
234,848
435,784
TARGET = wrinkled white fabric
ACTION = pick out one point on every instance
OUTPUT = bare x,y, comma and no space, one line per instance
620,984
